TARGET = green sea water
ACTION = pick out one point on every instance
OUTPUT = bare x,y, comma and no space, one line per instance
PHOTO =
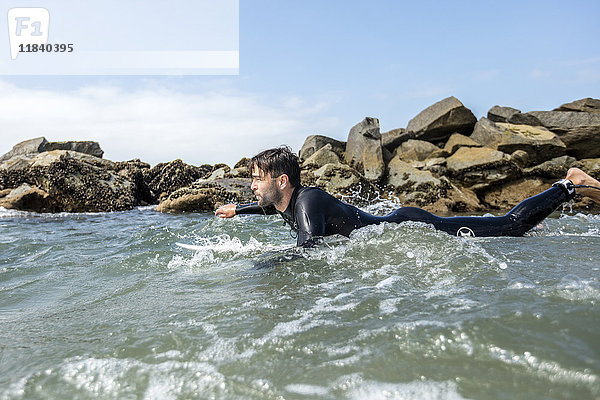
106,306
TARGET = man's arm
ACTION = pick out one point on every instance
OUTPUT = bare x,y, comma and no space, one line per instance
229,210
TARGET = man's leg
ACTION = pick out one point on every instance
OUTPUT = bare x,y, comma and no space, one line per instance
523,217
578,177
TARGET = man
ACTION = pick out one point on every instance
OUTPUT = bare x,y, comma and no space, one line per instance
313,213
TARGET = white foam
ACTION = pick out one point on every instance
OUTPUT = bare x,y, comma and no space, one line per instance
306,389
520,283
309,319
219,248
110,377
418,390
550,370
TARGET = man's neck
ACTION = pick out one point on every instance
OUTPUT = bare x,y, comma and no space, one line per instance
282,205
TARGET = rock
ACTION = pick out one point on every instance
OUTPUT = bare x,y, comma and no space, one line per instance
206,196
524,119
344,182
456,141
416,186
520,157
579,131
455,200
479,167
407,156
394,138
30,148
240,172
422,149
73,184
133,171
387,155
325,155
164,178
591,166
219,173
584,105
27,147
505,197
46,158
27,198
436,165
538,142
501,114
315,142
243,163
441,153
85,147
511,115
363,149
439,121
554,169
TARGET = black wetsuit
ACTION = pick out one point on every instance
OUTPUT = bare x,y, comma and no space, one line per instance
313,213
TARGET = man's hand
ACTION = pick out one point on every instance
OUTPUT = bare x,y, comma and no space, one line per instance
226,211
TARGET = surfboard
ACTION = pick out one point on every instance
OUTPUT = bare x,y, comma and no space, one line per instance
190,246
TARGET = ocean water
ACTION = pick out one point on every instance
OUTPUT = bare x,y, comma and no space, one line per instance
107,306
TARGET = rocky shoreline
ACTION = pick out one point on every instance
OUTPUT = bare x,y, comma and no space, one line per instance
445,161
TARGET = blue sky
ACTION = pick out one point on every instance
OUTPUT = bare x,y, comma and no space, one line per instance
310,67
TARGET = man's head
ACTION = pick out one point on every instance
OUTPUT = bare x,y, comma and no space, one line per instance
274,171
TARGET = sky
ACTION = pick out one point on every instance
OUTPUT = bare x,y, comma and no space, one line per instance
319,67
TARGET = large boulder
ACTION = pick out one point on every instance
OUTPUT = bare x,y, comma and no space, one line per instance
72,183
27,198
553,169
164,178
420,148
439,121
325,155
394,138
85,147
584,105
506,196
343,182
364,151
591,166
479,167
457,141
133,171
207,195
28,147
579,131
501,114
314,142
538,142
512,116
420,187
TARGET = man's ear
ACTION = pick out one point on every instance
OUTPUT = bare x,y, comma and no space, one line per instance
284,181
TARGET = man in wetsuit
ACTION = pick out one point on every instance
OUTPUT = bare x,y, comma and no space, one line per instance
313,213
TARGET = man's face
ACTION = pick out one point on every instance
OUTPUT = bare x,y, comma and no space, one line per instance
265,188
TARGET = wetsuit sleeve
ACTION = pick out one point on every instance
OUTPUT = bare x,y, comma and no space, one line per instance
254,208
311,222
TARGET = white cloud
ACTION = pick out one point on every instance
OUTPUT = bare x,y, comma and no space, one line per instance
429,90
539,74
161,124
486,75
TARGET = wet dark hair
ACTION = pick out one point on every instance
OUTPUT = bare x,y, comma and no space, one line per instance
278,161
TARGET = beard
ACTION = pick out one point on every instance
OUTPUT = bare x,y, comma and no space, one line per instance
271,196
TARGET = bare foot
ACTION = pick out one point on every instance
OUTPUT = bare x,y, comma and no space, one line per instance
578,177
